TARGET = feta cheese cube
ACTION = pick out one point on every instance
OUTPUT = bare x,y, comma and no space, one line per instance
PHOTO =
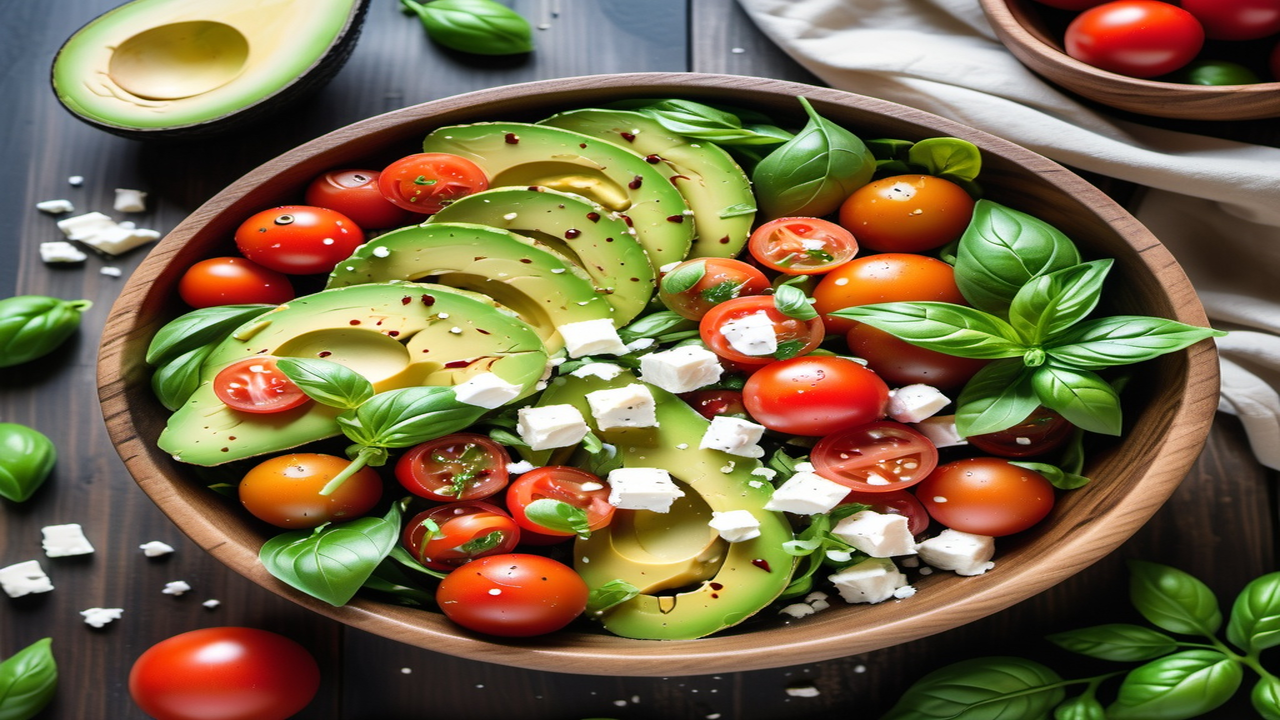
735,525
630,406
519,467
98,617
65,541
80,227
962,552
941,431
602,370
24,578
486,390
805,691
110,271
734,436
119,239
642,489
751,334
551,426
176,588
61,251
56,207
211,603
871,581
913,403
797,610
681,369
806,493
155,548
130,200
877,534
592,337
75,180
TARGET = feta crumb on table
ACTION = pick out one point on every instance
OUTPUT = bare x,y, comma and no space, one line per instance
65,541
24,578
211,603
111,271
99,617
176,588
155,548
56,207
61,252
128,200
803,691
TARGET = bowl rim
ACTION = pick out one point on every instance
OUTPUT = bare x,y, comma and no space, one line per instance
572,652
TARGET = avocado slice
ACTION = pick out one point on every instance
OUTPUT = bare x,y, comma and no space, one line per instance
596,239
662,555
392,333
543,287
184,68
524,155
712,183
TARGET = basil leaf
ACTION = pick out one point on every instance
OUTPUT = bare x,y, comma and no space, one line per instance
792,302
1183,685
32,326
788,349
407,416
982,689
738,210
1056,476
176,379
1255,616
783,464
506,437
1002,249
683,278
813,172
697,121
1081,707
331,562
327,382
399,593
944,327
1124,339
559,516
1084,399
721,291
1173,600
610,594
996,398
1119,642
401,556
1049,304
482,27
604,460
27,456
1265,697
479,545
889,148
199,327
28,681
948,156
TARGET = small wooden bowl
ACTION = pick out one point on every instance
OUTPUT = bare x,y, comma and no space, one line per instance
1169,406
1025,28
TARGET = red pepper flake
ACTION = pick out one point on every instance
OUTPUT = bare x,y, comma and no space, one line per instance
593,216
355,322
608,239
724,240
536,188
572,233
716,586
636,182
232,438
653,160
526,261
483,331
762,564
582,145
627,219
629,137
512,139
635,279
675,218
458,364
406,300
428,300
323,354
393,333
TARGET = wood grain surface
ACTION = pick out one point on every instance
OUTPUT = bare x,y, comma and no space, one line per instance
1219,524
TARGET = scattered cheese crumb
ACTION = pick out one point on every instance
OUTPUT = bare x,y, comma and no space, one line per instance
211,603
155,548
406,671
112,271
24,578
176,588
55,207
61,252
130,200
797,610
98,617
65,541
803,691
75,180
905,591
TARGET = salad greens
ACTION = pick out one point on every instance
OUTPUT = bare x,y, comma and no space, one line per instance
28,680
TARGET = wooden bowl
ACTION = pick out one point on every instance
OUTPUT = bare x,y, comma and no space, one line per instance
1030,32
1169,405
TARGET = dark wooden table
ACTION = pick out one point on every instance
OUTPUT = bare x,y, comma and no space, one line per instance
1219,526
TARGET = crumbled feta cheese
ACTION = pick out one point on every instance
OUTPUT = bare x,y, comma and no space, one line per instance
128,200
24,578
681,369
98,617
486,390
110,271
119,239
75,180
734,436
871,581
55,207
176,588
65,540
592,337
764,472
797,610
79,227
806,494
751,334
877,534
61,251
913,403
640,344
519,467
550,426
805,466
941,431
964,553
211,603
602,370
803,691
904,592
630,406
642,489
817,600
735,525
155,548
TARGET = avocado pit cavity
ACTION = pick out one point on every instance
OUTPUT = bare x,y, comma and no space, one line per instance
373,354
179,60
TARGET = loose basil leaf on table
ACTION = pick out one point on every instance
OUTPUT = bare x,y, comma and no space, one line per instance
199,328
1051,303
481,27
1002,249
32,326
1254,623
327,382
28,681
982,688
1124,339
1118,642
1182,685
176,379
1173,600
27,456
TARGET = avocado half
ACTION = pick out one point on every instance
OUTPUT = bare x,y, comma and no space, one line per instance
179,69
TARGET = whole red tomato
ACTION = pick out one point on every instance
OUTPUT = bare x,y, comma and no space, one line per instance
233,281
986,496
1138,38
224,673
355,193
298,239
814,395
1236,19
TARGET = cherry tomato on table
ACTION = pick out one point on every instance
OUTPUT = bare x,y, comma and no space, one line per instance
513,595
298,239
447,536
907,213
880,456
233,281
802,245
901,363
889,277
578,488
714,280
729,330
815,395
285,490
256,385
1044,430
894,502
1236,19
461,466
1138,38
355,193
427,182
986,496
224,673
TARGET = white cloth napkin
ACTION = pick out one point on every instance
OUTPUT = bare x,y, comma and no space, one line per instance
1214,203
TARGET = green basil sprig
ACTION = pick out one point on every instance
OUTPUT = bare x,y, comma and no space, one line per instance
481,27
327,382
32,326
698,121
986,688
199,328
791,300
656,326
28,681
27,457
1002,250
332,562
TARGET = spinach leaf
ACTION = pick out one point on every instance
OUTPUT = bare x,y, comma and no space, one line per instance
482,27
331,562
1002,249
1051,303
1119,642
996,398
944,327
28,681
1123,339
1183,685
984,688
947,157
1254,623
327,382
197,328
1173,600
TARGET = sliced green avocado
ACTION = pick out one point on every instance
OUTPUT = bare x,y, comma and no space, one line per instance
543,287
395,334
596,239
715,187
664,554
523,155
180,68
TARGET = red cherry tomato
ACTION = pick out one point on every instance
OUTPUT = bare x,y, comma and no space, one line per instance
233,281
1138,38
298,239
889,277
901,363
224,673
802,245
426,182
881,456
461,466
355,193
894,502
907,213
1043,431
986,496
447,536
720,279
1236,19
578,488
256,385
514,595
727,331
815,395
713,403
285,490
1072,4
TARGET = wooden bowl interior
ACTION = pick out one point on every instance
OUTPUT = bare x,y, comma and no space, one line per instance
1168,414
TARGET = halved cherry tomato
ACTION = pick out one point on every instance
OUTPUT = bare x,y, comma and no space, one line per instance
427,182
729,330
713,403
1044,430
299,239
233,281
901,363
285,490
877,457
513,595
446,536
570,485
355,193
889,277
814,395
907,213
1138,38
802,245
986,496
256,385
461,466
718,280
894,502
